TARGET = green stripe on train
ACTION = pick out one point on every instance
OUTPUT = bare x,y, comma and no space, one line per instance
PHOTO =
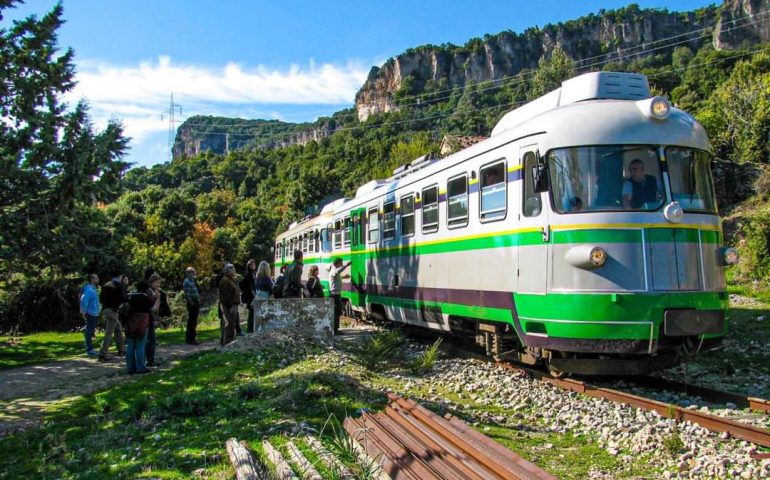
574,315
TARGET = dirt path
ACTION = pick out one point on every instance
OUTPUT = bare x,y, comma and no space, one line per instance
26,392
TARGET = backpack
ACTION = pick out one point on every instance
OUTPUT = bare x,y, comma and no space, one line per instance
278,286
137,325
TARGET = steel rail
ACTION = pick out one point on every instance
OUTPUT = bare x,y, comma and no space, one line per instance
710,394
758,436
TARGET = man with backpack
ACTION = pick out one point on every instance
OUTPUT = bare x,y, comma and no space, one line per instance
292,287
112,296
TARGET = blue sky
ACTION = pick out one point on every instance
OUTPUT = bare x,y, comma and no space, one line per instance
288,60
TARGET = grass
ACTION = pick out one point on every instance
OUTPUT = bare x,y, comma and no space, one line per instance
171,423
168,424
37,348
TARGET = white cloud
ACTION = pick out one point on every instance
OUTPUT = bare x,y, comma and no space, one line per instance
138,94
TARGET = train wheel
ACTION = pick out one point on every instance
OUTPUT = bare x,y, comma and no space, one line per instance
555,372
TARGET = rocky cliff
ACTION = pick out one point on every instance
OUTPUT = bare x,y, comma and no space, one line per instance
591,41
219,135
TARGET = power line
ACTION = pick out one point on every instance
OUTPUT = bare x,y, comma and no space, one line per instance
171,127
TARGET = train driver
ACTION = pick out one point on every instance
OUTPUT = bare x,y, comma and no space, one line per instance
640,188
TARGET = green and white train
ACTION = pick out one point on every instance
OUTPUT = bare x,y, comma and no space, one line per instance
583,234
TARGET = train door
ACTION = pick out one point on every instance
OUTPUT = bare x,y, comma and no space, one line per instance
358,258
534,230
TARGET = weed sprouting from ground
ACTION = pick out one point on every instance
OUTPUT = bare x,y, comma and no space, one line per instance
346,450
425,361
673,443
249,391
381,349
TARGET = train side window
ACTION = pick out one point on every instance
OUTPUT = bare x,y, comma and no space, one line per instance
389,220
325,240
430,209
304,242
533,204
338,234
407,215
374,225
457,202
346,233
492,192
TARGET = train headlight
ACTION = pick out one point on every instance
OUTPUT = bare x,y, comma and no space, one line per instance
673,212
656,108
660,108
730,256
586,257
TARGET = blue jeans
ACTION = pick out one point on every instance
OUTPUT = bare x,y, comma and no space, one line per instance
90,331
135,362
149,348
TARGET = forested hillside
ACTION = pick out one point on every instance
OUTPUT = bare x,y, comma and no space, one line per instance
206,207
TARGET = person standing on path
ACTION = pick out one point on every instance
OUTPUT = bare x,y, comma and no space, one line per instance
292,286
248,288
154,293
335,288
263,290
192,298
137,328
112,296
229,299
90,309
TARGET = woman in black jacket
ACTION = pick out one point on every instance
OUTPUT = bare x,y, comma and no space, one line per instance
248,286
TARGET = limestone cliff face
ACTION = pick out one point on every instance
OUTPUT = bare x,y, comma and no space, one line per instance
590,41
219,135
742,22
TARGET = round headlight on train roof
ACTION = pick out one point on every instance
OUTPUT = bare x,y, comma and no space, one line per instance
660,108
730,256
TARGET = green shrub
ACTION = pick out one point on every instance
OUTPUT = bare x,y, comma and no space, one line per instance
754,247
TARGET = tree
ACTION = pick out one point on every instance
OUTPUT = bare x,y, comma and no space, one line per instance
551,71
737,114
53,165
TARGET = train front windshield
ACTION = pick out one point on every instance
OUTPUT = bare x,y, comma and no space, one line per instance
628,177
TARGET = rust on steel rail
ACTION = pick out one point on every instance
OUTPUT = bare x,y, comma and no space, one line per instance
411,442
710,394
758,436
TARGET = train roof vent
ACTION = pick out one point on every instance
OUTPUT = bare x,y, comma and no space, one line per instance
604,85
589,86
370,187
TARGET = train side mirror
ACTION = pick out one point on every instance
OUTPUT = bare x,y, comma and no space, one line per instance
540,178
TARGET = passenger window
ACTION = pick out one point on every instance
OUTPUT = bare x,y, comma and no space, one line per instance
457,202
493,192
407,216
533,205
326,244
346,233
338,234
374,225
389,220
430,209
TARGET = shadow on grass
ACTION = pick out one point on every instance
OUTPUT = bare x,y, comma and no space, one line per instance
174,422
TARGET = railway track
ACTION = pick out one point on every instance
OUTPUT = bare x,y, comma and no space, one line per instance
758,436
